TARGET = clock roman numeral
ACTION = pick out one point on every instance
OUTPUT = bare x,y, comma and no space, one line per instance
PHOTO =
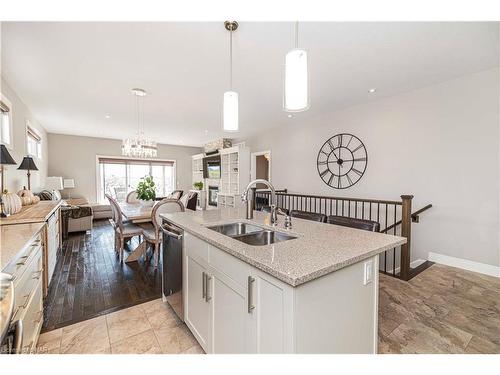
323,162
340,140
357,172
330,180
359,159
332,147
339,182
349,179
348,143
357,148
324,172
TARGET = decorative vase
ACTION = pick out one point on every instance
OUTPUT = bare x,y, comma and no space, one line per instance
149,203
11,203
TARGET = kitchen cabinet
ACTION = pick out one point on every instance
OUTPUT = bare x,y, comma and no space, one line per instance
233,307
53,243
197,305
26,270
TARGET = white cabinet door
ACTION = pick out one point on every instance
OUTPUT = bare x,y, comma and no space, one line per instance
231,319
272,314
198,309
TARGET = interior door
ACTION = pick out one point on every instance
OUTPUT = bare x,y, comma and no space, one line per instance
231,319
198,311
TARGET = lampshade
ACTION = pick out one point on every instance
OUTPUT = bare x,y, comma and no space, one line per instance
5,157
54,183
230,108
296,95
69,183
28,164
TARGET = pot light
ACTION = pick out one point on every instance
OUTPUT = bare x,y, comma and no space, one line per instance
107,116
373,90
230,106
290,116
296,87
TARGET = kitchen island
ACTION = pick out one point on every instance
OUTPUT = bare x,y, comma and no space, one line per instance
316,292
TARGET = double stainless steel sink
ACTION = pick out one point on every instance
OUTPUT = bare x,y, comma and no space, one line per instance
251,234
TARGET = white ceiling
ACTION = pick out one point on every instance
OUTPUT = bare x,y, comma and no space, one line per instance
71,75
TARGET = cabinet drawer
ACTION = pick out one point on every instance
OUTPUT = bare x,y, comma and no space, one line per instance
25,285
32,319
195,247
229,265
18,265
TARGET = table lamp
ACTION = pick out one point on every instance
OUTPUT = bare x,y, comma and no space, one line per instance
28,165
69,183
54,184
5,159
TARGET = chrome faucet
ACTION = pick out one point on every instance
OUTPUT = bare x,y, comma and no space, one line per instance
244,197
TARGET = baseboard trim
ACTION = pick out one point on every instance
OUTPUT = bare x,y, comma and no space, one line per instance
413,264
469,265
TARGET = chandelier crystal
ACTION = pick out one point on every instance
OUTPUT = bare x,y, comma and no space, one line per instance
139,146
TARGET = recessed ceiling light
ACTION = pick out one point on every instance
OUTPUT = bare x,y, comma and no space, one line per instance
290,116
108,116
206,131
371,91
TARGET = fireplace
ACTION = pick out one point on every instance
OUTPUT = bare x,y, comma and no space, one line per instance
212,195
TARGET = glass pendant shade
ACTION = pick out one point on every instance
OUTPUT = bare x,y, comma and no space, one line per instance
296,95
230,109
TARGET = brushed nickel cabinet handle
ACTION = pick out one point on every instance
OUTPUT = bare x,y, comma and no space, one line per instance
38,274
251,307
203,285
207,284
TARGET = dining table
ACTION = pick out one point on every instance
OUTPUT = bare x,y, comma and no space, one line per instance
137,213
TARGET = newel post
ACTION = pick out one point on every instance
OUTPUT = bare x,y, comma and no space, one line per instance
406,232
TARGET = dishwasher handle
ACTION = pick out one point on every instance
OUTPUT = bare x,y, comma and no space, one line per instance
18,336
169,233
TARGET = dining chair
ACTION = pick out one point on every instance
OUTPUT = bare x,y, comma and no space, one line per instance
123,230
132,197
369,225
152,232
176,194
313,216
189,200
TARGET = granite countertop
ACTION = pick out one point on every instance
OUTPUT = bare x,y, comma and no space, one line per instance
319,248
15,238
34,213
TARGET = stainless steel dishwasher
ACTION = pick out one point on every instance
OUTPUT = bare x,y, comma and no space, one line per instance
173,242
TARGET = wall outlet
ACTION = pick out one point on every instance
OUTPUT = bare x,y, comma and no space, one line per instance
368,277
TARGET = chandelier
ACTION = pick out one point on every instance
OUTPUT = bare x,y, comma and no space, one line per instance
139,146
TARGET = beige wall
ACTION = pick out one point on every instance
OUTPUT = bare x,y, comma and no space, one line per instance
439,143
15,179
75,157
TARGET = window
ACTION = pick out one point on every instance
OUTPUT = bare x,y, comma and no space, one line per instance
33,142
5,122
117,177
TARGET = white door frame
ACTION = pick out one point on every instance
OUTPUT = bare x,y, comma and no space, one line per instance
253,163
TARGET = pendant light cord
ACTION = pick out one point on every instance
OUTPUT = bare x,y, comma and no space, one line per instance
231,59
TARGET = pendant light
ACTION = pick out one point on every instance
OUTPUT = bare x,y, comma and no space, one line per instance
139,146
296,86
230,106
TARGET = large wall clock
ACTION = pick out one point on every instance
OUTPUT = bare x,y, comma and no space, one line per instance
342,161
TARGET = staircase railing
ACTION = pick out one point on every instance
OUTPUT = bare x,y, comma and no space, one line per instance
394,216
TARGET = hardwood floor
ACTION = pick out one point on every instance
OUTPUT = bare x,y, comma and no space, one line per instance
90,281
442,310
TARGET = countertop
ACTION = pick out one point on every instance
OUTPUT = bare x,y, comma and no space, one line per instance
319,248
34,213
14,238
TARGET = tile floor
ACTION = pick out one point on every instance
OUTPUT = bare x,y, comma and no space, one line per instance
148,328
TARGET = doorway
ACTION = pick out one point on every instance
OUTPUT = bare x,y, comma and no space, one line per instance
261,167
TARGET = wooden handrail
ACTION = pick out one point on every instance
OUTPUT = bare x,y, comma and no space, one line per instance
414,218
